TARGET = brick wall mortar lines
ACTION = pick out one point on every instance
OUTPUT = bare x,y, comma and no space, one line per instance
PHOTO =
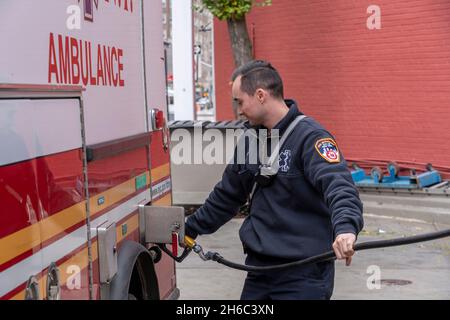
383,93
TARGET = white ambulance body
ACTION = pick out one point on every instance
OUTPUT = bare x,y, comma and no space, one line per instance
81,147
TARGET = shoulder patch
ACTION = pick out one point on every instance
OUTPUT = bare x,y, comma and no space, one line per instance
328,149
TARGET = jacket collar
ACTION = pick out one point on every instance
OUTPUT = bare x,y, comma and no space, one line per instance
283,123
289,117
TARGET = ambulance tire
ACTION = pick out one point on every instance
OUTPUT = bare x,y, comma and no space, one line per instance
136,277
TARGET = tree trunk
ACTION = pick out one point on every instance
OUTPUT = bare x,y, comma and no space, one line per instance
240,41
241,45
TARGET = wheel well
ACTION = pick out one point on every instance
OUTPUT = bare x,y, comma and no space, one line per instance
136,276
143,284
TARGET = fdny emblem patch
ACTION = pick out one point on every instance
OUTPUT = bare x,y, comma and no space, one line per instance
327,148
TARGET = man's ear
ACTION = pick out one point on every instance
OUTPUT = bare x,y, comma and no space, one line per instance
261,95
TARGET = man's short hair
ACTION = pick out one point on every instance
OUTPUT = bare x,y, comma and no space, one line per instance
259,74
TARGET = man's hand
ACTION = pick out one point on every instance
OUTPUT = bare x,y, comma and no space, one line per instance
343,247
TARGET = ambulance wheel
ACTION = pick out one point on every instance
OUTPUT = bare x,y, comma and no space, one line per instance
136,277
393,167
141,286
377,174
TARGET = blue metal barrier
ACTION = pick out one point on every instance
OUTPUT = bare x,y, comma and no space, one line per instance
377,179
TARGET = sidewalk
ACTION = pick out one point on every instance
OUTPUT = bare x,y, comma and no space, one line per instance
418,271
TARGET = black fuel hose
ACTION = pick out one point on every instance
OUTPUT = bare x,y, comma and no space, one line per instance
330,255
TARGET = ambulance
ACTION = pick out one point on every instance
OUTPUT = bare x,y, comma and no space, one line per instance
83,149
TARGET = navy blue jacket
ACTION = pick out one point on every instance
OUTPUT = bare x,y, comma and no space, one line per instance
308,204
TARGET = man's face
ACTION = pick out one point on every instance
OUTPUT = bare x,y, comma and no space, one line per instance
247,106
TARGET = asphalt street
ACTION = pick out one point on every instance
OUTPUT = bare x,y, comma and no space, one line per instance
417,271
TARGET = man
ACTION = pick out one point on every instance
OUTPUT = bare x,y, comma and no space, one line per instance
309,206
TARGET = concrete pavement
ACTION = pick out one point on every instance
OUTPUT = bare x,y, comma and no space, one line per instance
418,271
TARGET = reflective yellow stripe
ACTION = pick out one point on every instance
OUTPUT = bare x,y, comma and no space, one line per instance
32,236
21,294
164,201
132,224
81,259
160,172
63,220
112,196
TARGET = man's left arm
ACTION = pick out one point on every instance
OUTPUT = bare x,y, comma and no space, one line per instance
327,171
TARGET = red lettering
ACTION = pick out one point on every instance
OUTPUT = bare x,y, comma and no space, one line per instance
64,60
128,4
93,79
52,65
107,62
100,66
71,63
115,75
75,63
121,81
84,66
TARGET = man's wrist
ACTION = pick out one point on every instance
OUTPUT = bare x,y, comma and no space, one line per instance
189,231
345,228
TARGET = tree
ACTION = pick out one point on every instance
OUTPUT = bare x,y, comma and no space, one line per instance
234,12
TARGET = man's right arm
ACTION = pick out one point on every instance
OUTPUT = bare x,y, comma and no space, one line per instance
222,204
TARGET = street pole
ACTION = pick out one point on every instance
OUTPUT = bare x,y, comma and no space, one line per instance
196,71
183,59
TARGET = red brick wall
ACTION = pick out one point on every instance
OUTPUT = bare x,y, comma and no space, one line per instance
384,94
